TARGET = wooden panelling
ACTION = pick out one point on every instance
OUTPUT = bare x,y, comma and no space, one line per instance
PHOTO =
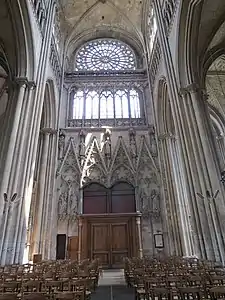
109,238
99,200
120,246
73,247
95,204
100,242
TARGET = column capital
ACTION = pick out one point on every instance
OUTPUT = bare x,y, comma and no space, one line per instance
48,131
220,137
194,88
31,85
167,136
191,88
21,81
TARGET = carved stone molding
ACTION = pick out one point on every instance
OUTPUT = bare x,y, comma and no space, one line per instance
193,88
125,161
48,131
167,136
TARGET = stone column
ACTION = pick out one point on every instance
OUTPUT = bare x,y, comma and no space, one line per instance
175,211
139,240
48,215
203,171
18,88
80,225
42,183
18,182
19,96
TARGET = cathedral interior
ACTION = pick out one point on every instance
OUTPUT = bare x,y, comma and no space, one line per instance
112,117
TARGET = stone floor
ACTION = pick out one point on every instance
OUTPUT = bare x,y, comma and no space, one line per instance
112,286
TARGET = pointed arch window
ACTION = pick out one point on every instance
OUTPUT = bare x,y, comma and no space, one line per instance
113,89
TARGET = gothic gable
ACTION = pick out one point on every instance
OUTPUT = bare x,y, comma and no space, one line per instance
121,168
94,168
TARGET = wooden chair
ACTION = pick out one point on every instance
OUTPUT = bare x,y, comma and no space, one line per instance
217,292
34,296
187,293
69,296
8,296
10,287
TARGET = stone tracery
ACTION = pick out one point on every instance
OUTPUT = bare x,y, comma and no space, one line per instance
105,55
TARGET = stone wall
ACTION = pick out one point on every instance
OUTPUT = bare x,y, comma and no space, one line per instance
106,157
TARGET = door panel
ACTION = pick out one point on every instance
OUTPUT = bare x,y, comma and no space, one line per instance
99,200
110,240
100,243
123,204
95,205
119,243
60,246
73,247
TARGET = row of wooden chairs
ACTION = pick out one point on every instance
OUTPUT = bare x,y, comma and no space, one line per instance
49,280
175,278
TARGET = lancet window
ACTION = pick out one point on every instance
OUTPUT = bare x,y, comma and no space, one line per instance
106,104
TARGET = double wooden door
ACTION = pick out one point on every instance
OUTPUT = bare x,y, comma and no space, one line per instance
110,239
109,243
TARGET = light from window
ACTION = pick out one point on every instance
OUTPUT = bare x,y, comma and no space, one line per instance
106,104
152,27
134,104
105,54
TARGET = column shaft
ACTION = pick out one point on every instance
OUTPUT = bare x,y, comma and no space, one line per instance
40,202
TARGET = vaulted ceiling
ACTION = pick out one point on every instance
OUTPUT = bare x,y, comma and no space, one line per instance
83,15
211,38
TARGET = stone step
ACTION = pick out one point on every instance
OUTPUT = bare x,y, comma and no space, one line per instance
113,292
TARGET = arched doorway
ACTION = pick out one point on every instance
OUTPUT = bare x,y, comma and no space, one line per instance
109,230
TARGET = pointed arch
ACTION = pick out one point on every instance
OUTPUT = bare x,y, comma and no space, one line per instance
164,116
20,49
188,35
49,106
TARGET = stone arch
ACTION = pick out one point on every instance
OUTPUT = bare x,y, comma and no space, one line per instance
198,22
19,49
42,203
218,136
104,32
49,106
187,47
164,116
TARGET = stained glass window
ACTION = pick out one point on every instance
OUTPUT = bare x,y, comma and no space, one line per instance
104,55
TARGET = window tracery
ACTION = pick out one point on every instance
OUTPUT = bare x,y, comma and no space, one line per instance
105,54
106,104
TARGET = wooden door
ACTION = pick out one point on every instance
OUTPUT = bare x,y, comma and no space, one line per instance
119,240
73,247
100,243
60,246
110,242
